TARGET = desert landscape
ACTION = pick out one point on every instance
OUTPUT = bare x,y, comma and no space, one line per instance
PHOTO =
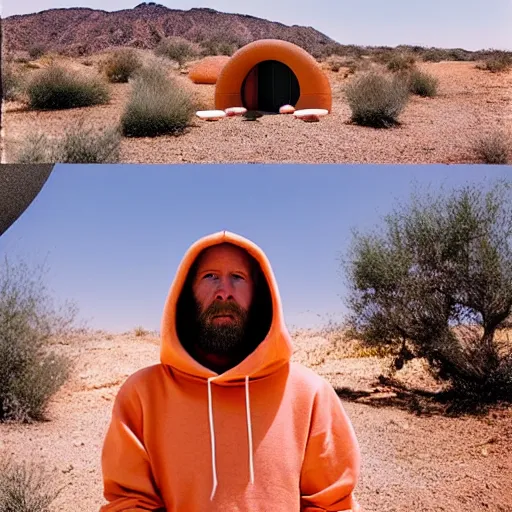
423,461
470,102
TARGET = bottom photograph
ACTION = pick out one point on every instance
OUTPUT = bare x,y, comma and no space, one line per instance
256,337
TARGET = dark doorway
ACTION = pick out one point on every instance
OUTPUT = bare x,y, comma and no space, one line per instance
269,86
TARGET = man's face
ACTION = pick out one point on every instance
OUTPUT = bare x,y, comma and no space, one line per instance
223,289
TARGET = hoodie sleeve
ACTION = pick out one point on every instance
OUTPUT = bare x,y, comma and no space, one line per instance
128,482
332,460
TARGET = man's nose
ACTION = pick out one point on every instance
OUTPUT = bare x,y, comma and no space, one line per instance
224,289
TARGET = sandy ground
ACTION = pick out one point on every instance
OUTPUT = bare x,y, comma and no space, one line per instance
409,462
443,129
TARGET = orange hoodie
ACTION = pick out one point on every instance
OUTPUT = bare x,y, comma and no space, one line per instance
266,435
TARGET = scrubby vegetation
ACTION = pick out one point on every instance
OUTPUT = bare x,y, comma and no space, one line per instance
376,99
30,372
55,87
158,105
436,283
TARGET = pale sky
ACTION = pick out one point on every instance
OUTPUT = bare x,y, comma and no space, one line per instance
468,24
113,235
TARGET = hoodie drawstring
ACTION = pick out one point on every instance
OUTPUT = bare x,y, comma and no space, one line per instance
212,433
212,437
249,428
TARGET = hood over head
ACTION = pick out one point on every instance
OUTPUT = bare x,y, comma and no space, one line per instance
266,320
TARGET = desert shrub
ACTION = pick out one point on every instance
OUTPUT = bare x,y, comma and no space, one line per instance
422,83
377,100
382,55
401,62
458,54
56,88
432,55
79,144
158,105
335,63
177,49
440,262
36,149
26,487
212,47
30,373
121,65
219,42
140,332
36,51
21,58
493,148
347,51
496,64
12,83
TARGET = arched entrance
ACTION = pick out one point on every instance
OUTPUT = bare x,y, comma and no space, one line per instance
268,86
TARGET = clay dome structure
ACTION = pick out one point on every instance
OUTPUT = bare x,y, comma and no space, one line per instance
207,70
269,73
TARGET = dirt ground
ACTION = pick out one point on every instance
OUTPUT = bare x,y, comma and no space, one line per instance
470,103
409,462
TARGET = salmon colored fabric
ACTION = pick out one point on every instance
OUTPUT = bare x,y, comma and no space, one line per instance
267,435
207,70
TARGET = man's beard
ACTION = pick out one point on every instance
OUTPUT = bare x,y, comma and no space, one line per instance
222,339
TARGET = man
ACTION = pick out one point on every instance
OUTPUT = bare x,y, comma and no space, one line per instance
226,422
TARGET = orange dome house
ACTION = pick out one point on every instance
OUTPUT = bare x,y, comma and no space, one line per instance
207,71
269,73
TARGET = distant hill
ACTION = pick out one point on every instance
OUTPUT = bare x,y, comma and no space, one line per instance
82,31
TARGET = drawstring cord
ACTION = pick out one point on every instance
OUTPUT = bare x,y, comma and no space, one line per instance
212,433
212,437
249,428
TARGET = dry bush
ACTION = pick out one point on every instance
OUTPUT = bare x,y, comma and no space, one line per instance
434,55
12,83
120,66
55,88
496,64
377,100
30,373
422,83
177,49
158,105
140,331
335,63
79,145
36,51
401,62
493,148
219,42
26,487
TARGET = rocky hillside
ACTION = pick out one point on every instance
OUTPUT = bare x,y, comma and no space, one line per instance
81,31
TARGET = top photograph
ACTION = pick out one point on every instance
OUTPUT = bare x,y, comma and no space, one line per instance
269,82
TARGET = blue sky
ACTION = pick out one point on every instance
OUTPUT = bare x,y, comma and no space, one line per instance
469,24
113,236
